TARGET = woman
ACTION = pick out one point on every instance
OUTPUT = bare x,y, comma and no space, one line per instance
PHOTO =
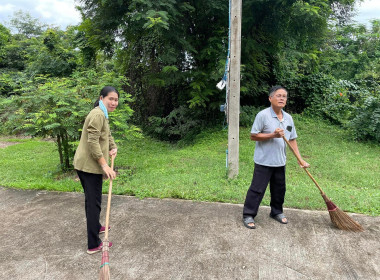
90,162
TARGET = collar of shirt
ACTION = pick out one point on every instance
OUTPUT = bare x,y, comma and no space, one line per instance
275,116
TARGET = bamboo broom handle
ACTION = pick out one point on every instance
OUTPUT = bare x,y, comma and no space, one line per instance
300,161
109,202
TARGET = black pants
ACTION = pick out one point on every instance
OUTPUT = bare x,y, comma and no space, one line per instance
262,175
92,186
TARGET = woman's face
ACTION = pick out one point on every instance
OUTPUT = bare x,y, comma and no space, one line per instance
110,101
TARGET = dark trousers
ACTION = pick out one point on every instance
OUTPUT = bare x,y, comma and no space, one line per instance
262,175
92,186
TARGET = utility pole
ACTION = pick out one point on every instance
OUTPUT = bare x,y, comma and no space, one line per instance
234,92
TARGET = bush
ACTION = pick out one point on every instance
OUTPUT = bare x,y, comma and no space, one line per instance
351,106
366,124
348,104
11,81
180,124
340,101
248,114
307,91
337,102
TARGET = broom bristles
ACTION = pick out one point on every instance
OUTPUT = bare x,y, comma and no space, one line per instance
340,219
104,273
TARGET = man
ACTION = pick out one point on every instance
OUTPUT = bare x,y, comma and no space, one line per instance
269,127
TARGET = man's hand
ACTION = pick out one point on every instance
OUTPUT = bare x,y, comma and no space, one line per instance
303,164
278,133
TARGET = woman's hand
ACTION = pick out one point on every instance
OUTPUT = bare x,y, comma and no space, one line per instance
113,152
108,171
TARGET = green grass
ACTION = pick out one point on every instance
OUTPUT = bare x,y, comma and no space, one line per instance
346,170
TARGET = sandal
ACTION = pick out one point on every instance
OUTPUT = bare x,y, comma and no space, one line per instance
249,220
279,218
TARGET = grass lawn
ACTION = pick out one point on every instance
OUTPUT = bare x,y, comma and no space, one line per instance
346,170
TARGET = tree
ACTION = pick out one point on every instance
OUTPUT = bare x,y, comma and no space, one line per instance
13,60
57,107
46,89
173,52
54,55
26,25
35,50
353,52
5,36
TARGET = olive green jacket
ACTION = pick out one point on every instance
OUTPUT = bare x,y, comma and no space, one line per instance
96,142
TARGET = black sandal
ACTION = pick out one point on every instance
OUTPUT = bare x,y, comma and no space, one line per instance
279,218
248,220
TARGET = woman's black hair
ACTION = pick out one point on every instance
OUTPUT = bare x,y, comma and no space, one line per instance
104,92
275,88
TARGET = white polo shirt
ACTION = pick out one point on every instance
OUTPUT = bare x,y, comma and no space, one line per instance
272,152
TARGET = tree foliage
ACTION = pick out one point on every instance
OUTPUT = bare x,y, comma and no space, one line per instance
352,52
366,123
57,107
26,25
55,55
173,52
47,87
36,50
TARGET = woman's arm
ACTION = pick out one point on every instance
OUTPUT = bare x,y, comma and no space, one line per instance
106,169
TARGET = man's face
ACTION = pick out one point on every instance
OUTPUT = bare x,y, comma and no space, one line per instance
278,98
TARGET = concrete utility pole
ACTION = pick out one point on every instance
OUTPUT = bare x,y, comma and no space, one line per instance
234,93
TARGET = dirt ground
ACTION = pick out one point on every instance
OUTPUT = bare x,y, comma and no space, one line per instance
4,144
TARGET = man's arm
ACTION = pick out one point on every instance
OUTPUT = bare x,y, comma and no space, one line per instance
278,133
294,145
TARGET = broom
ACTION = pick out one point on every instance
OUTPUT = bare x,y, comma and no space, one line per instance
339,218
104,273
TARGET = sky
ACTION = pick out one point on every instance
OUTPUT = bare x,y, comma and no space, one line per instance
63,13
59,13
367,10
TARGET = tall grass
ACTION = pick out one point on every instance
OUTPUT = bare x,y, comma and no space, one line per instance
347,171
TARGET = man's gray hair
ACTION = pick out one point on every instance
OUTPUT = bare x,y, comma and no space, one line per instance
274,89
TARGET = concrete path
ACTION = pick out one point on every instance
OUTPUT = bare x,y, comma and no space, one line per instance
43,236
